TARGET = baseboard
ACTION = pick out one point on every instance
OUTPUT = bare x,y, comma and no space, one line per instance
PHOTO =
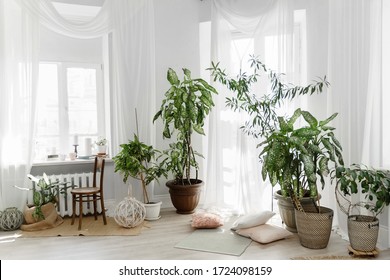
383,238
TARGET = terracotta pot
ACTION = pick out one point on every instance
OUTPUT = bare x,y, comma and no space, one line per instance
185,198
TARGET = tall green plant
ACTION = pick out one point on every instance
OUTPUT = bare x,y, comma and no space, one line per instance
296,158
261,107
183,111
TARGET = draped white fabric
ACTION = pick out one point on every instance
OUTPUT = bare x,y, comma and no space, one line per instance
343,42
50,17
18,84
233,170
130,27
354,67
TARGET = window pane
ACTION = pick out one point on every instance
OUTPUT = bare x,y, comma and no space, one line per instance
47,110
82,101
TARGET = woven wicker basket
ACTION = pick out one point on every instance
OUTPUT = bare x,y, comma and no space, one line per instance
314,228
363,232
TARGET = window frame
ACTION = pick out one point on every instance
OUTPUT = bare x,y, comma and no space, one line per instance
63,122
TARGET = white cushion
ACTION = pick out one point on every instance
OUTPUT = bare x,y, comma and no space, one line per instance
265,233
252,220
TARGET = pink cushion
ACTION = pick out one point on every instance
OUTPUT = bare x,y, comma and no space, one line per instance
206,220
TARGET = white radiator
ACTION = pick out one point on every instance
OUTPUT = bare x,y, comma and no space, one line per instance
64,200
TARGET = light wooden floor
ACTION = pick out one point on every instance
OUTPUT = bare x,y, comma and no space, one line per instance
154,243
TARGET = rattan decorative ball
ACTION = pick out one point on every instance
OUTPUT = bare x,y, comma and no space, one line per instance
11,219
129,212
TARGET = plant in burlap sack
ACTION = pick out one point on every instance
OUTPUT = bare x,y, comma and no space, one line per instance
44,191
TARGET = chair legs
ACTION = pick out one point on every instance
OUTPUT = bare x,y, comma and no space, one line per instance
79,198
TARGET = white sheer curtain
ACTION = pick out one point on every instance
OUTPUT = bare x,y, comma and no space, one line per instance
130,26
354,68
233,169
18,84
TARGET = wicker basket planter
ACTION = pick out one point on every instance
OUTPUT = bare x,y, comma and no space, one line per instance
314,228
286,209
363,232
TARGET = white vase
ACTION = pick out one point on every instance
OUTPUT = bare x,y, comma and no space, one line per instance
152,211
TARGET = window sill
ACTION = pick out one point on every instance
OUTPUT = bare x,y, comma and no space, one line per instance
65,162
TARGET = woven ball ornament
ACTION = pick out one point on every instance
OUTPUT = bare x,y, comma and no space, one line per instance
129,213
11,219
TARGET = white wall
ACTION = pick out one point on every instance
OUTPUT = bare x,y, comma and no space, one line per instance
55,47
177,47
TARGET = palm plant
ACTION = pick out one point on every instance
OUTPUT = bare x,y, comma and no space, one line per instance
261,108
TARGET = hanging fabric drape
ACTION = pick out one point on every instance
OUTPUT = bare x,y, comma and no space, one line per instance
355,72
233,169
129,25
18,88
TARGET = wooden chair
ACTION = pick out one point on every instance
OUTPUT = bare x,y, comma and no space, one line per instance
90,194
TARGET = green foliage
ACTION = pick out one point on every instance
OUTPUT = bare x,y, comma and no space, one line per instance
372,183
137,160
44,191
296,158
183,111
261,107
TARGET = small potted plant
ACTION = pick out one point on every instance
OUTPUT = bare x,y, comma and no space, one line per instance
183,112
137,160
45,195
366,190
101,144
297,159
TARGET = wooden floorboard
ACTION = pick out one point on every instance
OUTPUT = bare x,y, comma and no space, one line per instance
155,243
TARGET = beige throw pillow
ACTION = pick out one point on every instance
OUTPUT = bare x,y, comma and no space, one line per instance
265,233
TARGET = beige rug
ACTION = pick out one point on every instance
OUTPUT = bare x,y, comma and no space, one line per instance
90,227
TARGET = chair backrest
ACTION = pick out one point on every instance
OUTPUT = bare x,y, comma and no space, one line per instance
98,168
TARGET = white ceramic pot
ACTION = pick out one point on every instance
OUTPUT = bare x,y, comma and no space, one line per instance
152,211
102,149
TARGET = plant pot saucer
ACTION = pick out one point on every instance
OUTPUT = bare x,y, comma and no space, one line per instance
153,219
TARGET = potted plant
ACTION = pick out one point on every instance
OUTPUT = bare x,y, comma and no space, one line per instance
183,112
353,184
137,160
297,159
43,210
262,111
101,144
